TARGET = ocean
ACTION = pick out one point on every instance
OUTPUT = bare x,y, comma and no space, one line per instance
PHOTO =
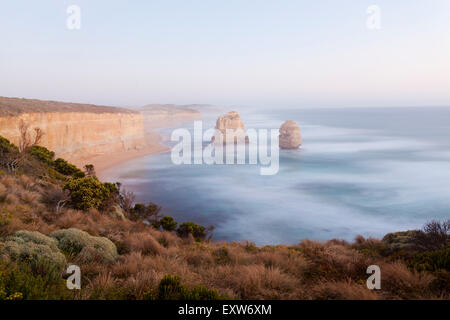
360,171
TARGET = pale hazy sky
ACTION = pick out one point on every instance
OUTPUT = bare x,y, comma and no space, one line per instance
230,52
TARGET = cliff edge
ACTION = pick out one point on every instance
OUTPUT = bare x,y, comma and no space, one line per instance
74,131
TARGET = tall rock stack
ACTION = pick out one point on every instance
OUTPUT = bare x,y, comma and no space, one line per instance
290,137
231,121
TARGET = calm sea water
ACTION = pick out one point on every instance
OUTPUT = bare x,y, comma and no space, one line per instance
362,171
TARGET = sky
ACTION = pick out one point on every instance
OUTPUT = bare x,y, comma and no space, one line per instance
277,53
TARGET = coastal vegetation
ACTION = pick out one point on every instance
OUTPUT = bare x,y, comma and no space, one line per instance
53,214
16,106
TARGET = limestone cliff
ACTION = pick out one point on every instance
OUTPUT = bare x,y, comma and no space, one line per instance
80,135
167,115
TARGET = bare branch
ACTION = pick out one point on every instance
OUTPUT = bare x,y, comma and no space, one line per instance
25,140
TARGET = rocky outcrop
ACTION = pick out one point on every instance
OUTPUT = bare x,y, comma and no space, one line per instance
81,135
231,122
290,137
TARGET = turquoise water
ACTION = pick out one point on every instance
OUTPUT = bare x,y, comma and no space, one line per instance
362,171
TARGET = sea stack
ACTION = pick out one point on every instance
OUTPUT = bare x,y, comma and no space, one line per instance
231,121
290,137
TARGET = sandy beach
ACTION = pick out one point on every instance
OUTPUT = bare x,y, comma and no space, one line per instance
106,161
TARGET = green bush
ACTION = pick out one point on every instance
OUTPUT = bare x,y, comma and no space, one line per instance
146,212
18,282
67,169
432,260
37,238
87,193
37,251
6,146
5,216
203,293
168,223
99,249
9,153
196,230
42,154
90,170
170,288
85,247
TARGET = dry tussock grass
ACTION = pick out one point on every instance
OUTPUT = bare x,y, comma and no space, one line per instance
142,242
341,290
398,281
309,270
253,281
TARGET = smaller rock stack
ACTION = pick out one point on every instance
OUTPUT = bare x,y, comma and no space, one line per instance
290,137
231,121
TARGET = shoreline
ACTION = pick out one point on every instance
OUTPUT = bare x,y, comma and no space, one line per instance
104,162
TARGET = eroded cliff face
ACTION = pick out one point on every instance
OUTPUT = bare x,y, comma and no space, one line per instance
160,119
76,136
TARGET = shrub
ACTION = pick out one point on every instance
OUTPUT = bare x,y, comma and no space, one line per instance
441,284
145,212
87,193
170,288
5,216
89,170
42,154
9,154
203,293
197,231
168,223
434,236
37,238
18,282
7,146
85,247
37,251
65,168
432,260
397,281
71,241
